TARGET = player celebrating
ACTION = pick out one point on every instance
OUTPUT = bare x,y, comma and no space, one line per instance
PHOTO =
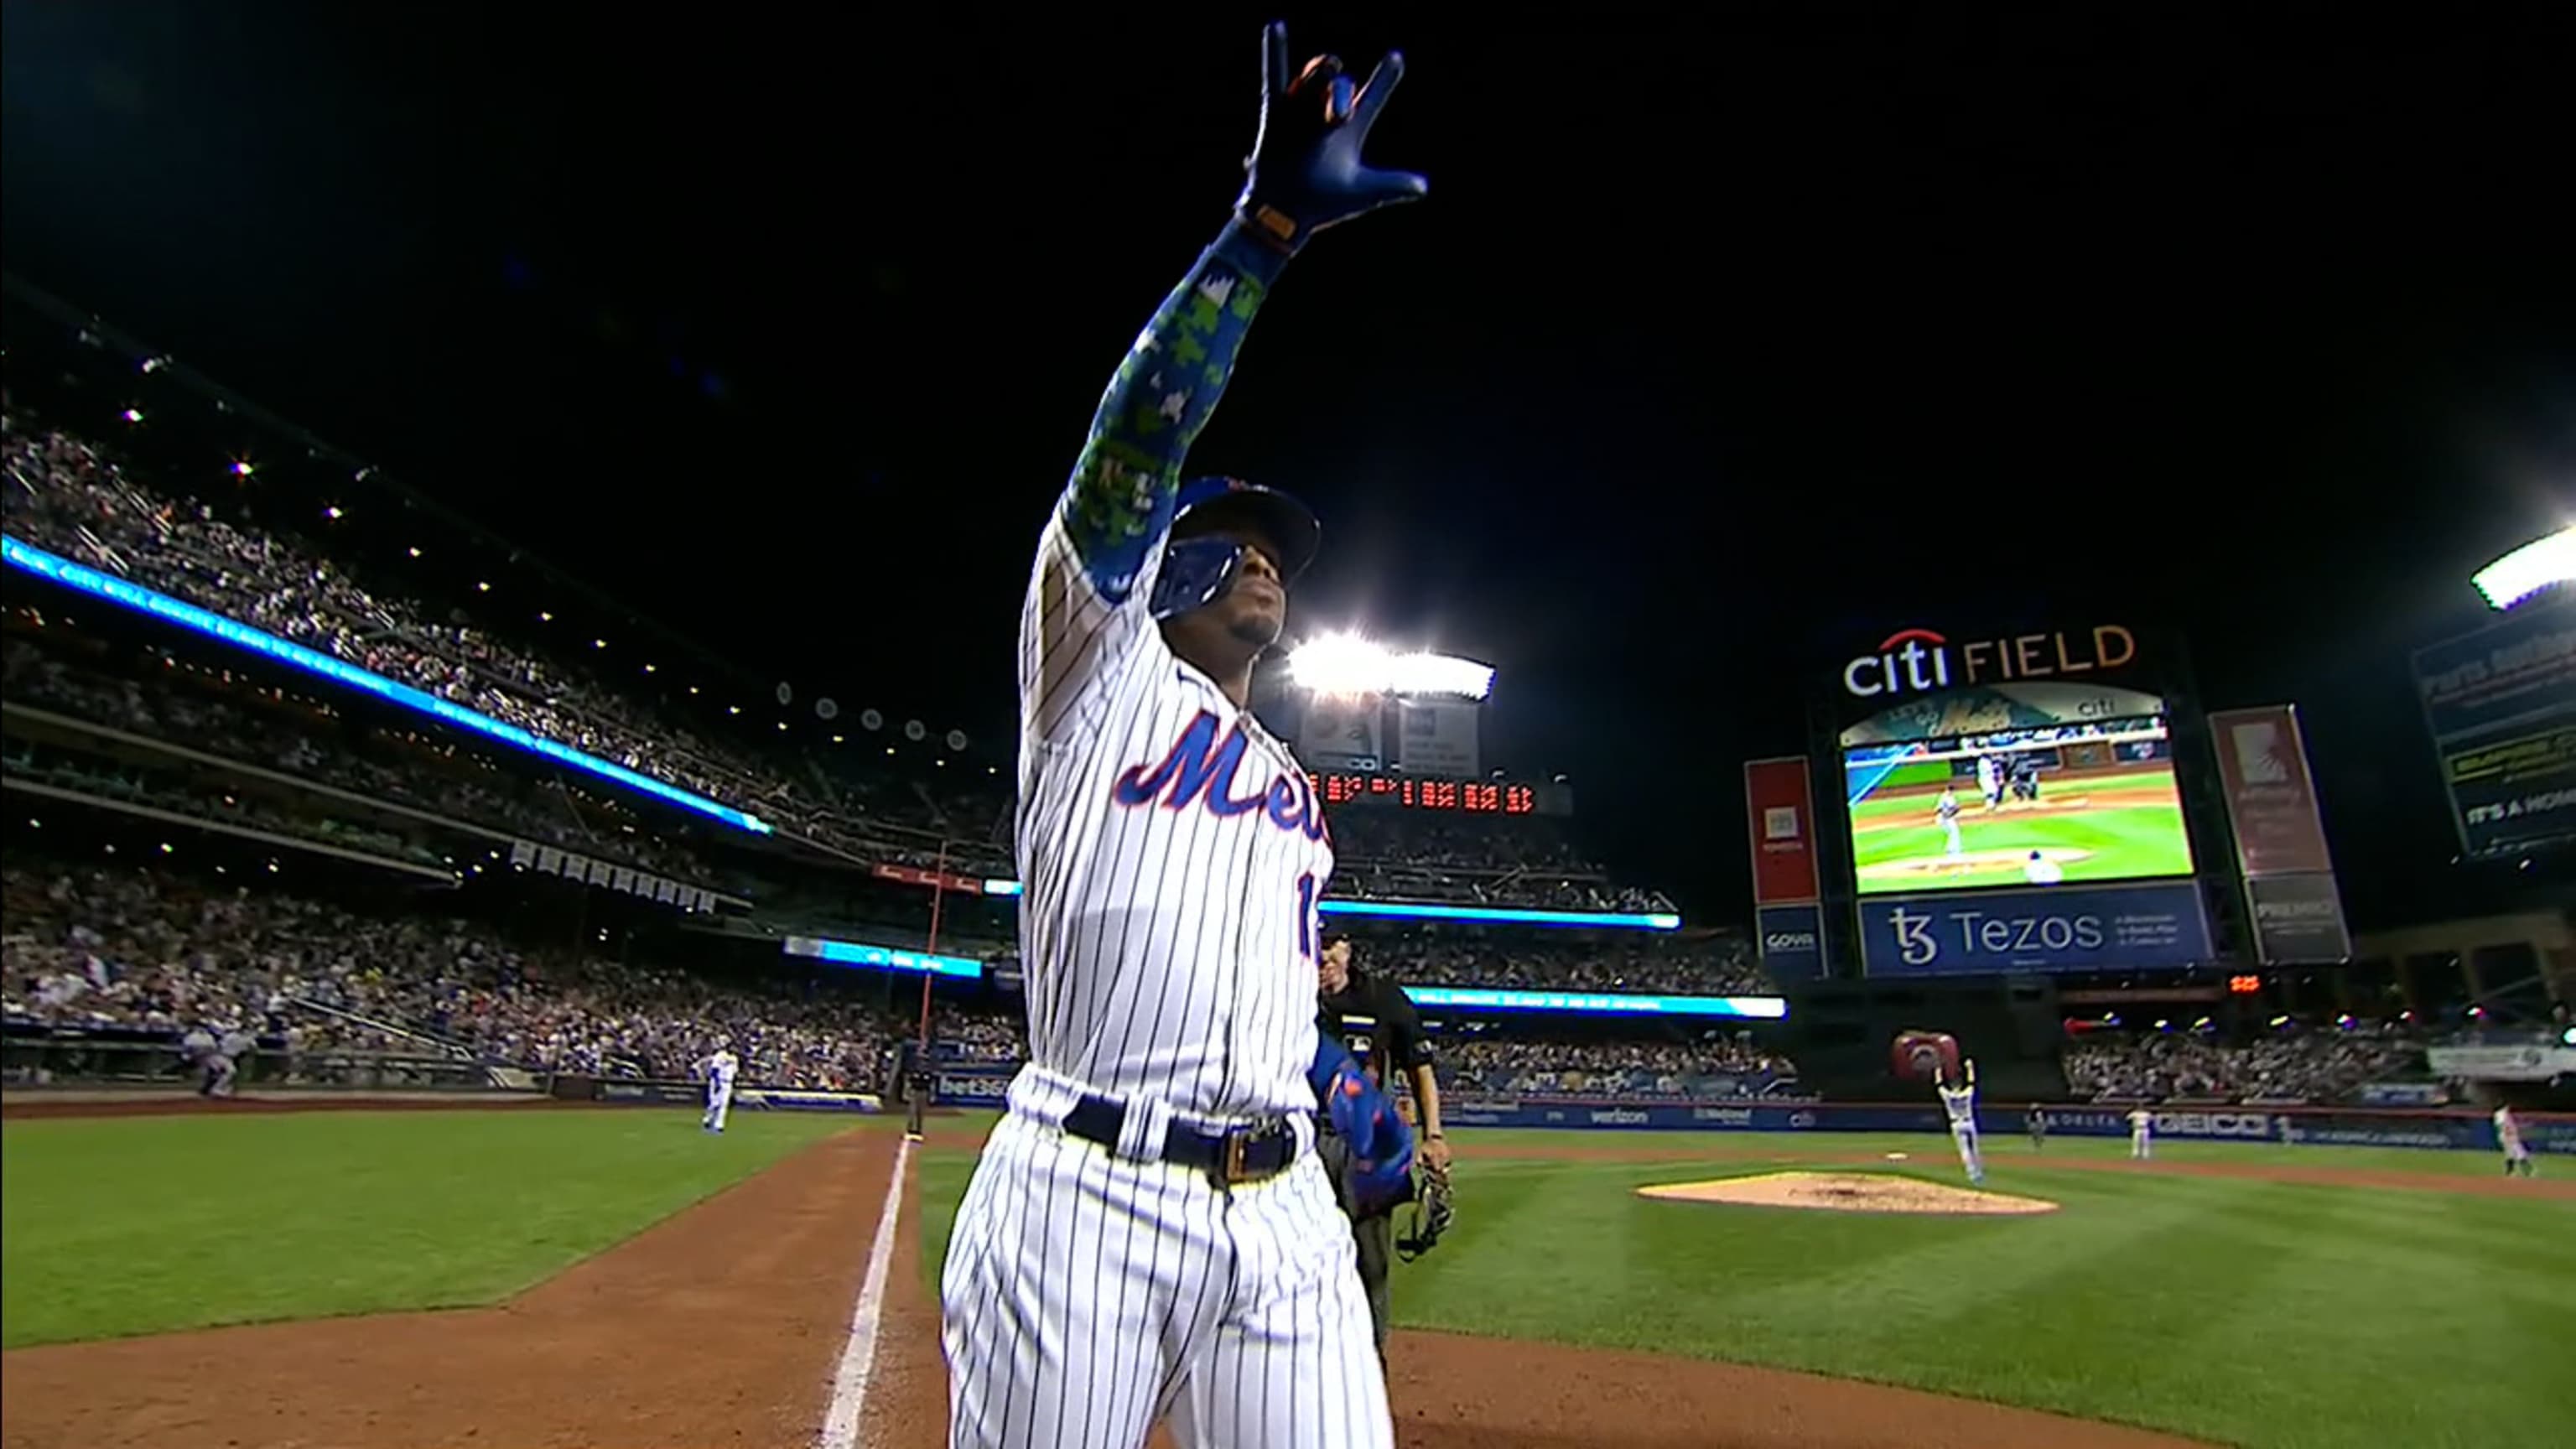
2142,1127
2517,1157
720,1066
1149,1231
1353,999
1960,1104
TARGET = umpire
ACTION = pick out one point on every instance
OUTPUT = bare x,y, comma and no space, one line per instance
1356,1005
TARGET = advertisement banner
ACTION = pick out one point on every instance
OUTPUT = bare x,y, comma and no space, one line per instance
1780,811
2453,1130
915,875
1343,732
1439,740
2502,1063
2298,920
1793,942
2501,705
2263,764
2051,929
972,1086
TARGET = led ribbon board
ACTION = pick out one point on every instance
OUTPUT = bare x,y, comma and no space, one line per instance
1605,1003
1491,915
242,636
884,958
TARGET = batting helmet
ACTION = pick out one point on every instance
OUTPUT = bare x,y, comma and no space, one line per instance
1197,569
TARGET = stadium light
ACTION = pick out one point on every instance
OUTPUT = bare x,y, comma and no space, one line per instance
2536,565
256,641
1348,664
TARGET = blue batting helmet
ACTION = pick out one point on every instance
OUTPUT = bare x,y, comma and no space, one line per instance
1197,569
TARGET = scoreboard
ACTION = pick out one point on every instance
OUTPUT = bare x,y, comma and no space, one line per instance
1446,797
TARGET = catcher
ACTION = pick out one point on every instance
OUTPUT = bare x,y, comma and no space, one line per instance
1374,1016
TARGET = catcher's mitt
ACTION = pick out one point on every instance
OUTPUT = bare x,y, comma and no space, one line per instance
1432,1213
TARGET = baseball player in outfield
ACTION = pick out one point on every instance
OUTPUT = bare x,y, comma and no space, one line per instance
2517,1157
1149,1233
1960,1104
721,1066
2142,1131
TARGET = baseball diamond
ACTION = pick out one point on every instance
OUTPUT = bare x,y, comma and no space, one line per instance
689,1289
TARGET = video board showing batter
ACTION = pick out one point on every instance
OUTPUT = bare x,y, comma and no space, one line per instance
2078,802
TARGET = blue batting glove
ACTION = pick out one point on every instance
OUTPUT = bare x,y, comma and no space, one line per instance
1305,171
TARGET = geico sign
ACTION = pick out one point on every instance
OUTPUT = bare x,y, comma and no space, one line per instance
1789,941
1918,660
1920,943
2214,1124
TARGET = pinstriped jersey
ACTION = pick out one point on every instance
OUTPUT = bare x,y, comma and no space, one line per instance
1171,854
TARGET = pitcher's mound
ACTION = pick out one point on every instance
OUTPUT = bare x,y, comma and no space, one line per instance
1850,1192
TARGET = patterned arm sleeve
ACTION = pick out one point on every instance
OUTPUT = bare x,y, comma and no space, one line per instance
1086,605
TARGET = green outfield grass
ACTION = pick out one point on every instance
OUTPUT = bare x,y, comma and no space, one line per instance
134,1225
2107,842
2263,1314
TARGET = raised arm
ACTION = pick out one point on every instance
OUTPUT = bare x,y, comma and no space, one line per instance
1096,562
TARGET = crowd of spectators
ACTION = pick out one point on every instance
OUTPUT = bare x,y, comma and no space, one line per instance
67,494
121,947
1716,964
2293,1065
293,733
1717,1067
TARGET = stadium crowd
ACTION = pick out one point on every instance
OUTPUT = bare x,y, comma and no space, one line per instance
119,947
68,495
2288,1066
1718,1067
301,735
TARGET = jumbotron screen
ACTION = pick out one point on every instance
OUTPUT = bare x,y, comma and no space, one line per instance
2080,802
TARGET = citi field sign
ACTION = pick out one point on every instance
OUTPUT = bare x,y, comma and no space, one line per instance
1918,661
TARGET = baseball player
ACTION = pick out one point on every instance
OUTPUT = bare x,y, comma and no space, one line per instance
2038,1125
2517,1157
1947,812
236,1044
720,1065
1990,782
1353,1000
201,1052
1960,1104
1149,1233
2142,1127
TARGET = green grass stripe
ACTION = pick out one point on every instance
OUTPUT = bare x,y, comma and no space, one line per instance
135,1225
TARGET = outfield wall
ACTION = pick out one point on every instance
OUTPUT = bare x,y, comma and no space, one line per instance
2298,1126
2311,1126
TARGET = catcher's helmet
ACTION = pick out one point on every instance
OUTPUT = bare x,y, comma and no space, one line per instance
1197,569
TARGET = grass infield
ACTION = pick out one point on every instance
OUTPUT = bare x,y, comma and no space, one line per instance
2265,1314
133,1225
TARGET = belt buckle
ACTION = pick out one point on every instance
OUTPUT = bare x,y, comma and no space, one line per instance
1235,1175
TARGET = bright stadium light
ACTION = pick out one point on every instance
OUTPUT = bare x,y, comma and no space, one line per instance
1350,665
2527,570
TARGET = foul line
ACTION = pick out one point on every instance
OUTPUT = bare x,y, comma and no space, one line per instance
859,1358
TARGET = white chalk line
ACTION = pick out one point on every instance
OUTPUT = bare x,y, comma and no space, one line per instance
859,1356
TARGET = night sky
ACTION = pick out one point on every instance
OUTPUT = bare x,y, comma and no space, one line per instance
1714,355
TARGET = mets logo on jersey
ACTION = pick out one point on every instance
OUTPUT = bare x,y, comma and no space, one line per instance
1200,769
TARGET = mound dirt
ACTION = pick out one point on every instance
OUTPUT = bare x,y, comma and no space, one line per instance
1849,1192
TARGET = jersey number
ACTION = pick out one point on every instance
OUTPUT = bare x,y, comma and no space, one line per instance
1306,916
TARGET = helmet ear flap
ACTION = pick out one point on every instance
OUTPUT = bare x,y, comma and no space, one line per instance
1196,572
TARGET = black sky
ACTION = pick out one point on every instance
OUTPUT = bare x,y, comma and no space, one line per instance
1716,353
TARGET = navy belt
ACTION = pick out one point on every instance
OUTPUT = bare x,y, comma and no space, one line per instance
1230,1159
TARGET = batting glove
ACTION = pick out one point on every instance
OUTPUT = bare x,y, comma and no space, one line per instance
1305,171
